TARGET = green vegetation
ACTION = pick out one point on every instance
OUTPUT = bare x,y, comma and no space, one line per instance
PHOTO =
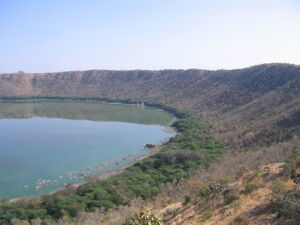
231,195
293,163
278,188
212,191
287,203
192,149
236,205
207,215
144,217
249,187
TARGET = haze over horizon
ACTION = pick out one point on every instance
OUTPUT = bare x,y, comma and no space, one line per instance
52,36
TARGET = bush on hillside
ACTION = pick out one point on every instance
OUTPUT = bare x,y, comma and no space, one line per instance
287,206
249,187
144,217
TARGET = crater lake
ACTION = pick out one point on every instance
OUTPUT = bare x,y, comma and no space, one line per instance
46,145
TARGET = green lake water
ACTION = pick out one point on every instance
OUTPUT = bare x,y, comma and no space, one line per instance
45,145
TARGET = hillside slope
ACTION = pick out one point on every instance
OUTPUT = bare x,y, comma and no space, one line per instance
247,201
249,107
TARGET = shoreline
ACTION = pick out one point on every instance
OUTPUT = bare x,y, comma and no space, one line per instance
169,109
105,175
94,178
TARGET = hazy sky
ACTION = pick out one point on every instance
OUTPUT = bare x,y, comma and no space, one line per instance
60,35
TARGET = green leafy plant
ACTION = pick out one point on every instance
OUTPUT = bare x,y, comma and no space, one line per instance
144,217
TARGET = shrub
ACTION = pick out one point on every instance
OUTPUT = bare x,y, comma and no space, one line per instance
212,191
207,215
180,156
236,204
292,163
288,205
278,188
187,199
144,217
249,187
231,195
104,203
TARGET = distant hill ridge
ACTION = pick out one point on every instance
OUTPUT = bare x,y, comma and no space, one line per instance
259,105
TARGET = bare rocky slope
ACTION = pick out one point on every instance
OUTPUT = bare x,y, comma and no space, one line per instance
249,107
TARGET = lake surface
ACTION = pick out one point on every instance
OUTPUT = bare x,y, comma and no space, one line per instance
45,145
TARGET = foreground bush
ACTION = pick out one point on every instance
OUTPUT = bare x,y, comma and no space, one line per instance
144,217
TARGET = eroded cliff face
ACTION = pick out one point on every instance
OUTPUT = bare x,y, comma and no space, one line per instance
15,84
244,106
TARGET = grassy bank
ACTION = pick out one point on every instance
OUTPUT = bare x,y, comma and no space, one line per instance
192,149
